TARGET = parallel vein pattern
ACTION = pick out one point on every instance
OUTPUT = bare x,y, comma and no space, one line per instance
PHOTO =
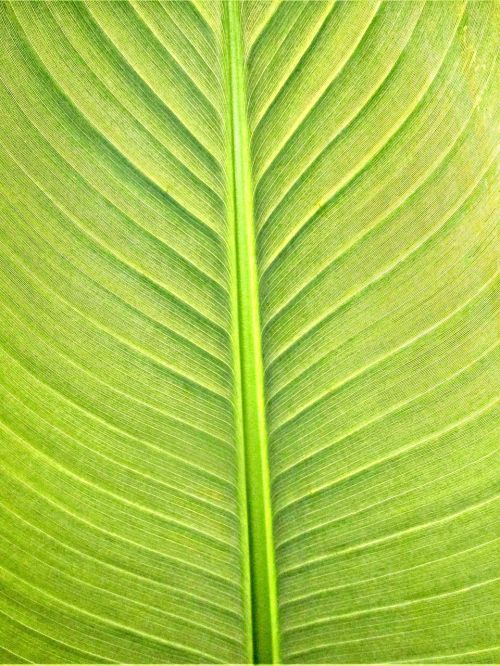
374,169
120,514
148,251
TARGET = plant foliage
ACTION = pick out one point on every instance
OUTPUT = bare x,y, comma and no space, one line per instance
248,332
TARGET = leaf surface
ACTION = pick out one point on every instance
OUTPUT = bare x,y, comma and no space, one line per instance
248,336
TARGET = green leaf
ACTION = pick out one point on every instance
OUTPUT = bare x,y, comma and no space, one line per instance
248,332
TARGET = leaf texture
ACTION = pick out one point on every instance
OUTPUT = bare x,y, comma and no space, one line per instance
131,515
376,217
120,502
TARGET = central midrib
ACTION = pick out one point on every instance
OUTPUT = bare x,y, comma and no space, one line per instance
260,574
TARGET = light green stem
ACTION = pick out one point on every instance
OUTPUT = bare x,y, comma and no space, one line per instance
250,372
